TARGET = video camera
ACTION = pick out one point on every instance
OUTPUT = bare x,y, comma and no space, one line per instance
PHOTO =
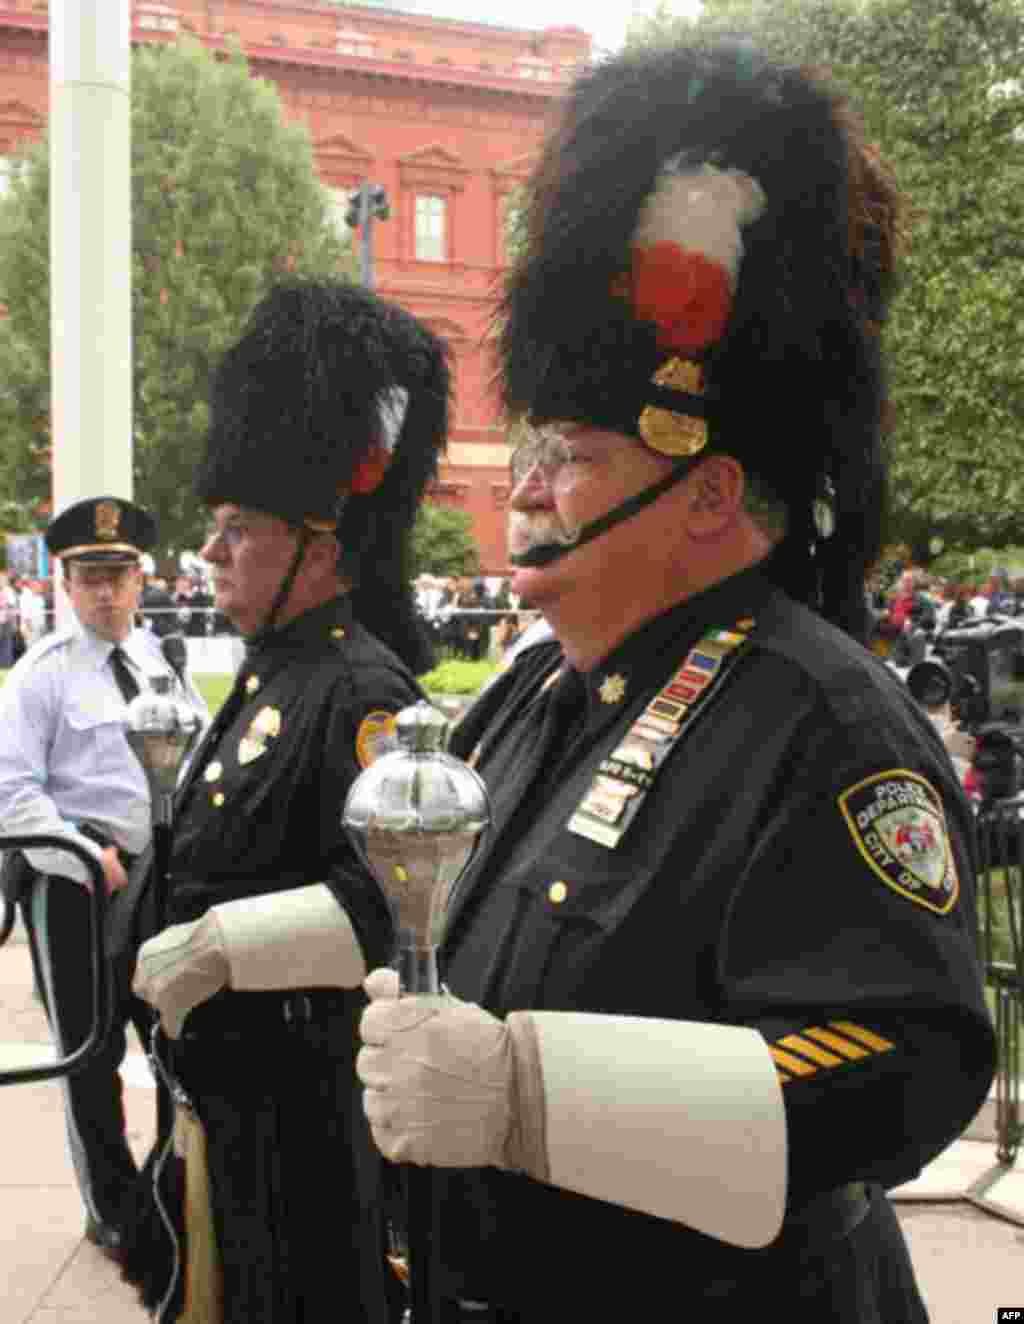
979,670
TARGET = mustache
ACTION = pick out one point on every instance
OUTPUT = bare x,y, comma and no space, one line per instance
539,528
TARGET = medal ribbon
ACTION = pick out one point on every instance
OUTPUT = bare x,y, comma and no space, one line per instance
626,776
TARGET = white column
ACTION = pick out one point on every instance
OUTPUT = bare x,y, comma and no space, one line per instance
90,249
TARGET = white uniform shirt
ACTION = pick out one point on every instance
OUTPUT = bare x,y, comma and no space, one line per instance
64,757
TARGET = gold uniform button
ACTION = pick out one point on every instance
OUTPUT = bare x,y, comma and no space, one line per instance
338,632
252,684
213,772
218,799
557,893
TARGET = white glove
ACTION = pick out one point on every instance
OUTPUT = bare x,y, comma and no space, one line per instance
300,938
180,968
442,1081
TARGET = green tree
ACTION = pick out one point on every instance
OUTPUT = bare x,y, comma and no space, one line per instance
938,84
225,199
443,542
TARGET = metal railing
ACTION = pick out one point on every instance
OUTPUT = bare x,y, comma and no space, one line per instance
1000,894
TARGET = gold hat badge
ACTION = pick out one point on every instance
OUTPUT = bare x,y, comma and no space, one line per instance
665,431
108,519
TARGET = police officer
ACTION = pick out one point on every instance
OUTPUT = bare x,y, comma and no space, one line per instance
714,972
66,769
327,417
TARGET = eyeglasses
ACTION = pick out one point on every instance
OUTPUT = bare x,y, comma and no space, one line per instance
235,528
230,533
545,450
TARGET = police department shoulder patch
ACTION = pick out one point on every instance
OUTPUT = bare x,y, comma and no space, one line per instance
897,822
375,736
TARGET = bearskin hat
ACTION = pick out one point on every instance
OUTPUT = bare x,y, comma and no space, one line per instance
708,255
330,411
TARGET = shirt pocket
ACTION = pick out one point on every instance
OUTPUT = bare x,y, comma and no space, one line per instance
99,727
562,922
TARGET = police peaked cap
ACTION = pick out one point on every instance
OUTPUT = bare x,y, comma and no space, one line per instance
791,379
106,530
329,391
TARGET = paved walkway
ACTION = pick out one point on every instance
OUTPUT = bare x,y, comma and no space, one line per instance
969,1259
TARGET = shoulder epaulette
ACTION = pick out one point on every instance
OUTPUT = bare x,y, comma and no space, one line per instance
50,643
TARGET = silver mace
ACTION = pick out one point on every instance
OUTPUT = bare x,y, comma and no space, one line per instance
162,731
416,817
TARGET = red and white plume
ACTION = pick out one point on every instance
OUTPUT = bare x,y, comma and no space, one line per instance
687,250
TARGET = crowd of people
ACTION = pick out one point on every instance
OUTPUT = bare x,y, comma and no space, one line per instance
26,614
923,601
470,618
27,611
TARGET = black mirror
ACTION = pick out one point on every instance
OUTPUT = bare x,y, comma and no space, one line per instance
101,999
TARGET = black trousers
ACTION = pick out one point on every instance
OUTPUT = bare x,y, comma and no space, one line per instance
57,919
295,1180
862,1277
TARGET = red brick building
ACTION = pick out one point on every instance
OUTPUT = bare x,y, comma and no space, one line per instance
445,114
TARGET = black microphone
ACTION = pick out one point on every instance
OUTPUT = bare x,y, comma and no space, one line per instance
175,652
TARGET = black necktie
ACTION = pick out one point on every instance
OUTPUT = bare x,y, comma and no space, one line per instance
126,682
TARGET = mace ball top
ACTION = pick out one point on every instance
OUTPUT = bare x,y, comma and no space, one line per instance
421,728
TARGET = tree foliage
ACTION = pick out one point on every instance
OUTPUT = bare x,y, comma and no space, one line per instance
225,199
938,85
443,542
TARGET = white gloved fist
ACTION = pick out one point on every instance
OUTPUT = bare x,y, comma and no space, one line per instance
180,968
442,1080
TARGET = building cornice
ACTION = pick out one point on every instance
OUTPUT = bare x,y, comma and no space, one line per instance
369,16
317,57
394,71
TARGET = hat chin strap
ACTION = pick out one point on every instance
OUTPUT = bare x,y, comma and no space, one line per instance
281,596
545,553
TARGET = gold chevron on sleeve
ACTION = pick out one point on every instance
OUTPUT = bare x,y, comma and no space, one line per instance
837,1043
791,1063
808,1048
867,1037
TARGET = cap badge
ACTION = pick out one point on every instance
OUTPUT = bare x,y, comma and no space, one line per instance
108,519
666,431
613,689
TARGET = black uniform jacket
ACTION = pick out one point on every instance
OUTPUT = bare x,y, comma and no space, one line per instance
260,809
272,1074
752,887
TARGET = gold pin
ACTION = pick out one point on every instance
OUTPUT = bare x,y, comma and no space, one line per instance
252,684
613,689
267,722
338,632
250,749
557,893
218,799
213,772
